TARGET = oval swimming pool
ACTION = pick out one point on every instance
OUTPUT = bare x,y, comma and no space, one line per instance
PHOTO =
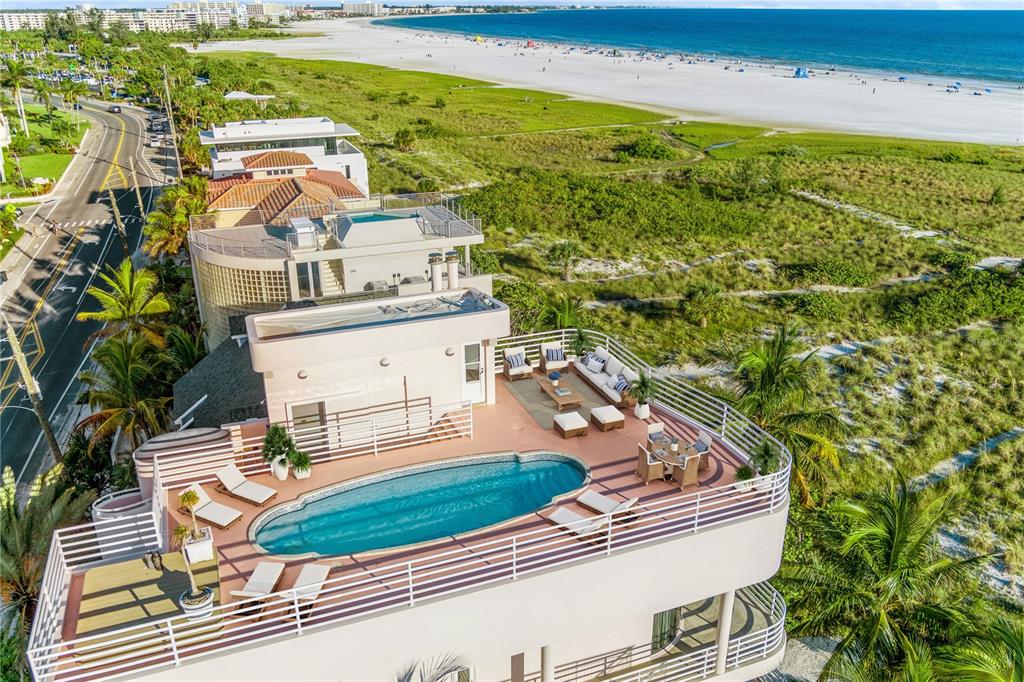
418,504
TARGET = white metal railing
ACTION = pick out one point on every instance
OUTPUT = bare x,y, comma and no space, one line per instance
370,588
341,437
742,650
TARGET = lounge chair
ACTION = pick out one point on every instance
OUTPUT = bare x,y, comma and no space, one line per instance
547,365
516,365
234,483
308,585
214,513
262,582
577,524
602,504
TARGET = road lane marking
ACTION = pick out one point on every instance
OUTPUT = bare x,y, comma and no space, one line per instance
114,163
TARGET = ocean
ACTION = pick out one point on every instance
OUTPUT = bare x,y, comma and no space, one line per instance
981,45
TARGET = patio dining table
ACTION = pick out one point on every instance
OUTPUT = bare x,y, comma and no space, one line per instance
683,472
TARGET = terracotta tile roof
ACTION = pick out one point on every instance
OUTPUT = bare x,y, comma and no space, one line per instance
281,158
277,199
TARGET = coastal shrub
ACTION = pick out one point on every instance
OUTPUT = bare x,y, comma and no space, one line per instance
439,103
483,261
405,139
998,196
794,151
834,271
610,216
649,147
526,300
406,98
426,184
818,306
954,262
975,295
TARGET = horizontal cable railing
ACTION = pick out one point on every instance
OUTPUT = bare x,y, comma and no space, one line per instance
370,588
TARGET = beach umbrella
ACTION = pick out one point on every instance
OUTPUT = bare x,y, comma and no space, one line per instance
902,79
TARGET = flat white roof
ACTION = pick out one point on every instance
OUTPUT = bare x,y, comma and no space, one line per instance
276,129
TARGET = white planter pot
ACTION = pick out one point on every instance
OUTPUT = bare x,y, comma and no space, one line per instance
199,608
280,469
762,483
744,486
302,474
554,382
642,411
202,549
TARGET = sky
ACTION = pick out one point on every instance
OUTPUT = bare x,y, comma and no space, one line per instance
780,4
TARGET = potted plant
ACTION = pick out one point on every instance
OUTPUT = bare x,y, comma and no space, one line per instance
277,446
744,478
198,546
302,465
195,602
766,460
555,375
642,389
580,344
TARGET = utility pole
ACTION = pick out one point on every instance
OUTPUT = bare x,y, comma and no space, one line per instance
120,225
170,122
32,388
138,192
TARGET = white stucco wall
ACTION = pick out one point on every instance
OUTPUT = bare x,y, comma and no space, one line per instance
579,611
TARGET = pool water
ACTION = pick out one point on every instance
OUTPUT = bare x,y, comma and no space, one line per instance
376,217
421,505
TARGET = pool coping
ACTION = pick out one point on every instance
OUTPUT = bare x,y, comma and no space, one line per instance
388,474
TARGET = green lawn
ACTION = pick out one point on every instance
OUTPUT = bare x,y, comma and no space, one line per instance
44,164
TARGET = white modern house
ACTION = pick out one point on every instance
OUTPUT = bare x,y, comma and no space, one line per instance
460,501
318,137
348,247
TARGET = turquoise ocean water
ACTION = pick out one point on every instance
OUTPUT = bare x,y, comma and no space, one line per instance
978,45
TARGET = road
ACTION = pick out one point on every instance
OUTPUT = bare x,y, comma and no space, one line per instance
81,240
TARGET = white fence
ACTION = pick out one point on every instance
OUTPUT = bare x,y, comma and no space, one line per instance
366,589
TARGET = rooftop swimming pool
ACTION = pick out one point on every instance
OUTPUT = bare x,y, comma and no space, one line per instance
418,504
377,217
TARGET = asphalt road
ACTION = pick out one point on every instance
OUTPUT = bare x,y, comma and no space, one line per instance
77,239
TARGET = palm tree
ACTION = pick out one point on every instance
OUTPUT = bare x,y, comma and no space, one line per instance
167,228
773,385
189,499
71,92
129,303
565,255
995,654
44,93
881,577
431,671
564,312
180,537
126,390
184,351
25,542
16,77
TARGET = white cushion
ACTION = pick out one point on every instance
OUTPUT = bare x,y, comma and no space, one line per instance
262,581
612,394
522,369
602,352
230,476
606,414
254,492
610,380
570,420
311,581
217,513
630,375
595,366
614,366
580,525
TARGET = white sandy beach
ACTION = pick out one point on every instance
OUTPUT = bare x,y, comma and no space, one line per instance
760,94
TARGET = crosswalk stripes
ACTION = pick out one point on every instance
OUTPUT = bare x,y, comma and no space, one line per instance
71,224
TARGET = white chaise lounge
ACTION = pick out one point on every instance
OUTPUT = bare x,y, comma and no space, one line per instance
577,524
262,582
310,581
234,483
214,513
602,504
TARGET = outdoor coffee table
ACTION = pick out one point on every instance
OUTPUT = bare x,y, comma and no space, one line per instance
571,399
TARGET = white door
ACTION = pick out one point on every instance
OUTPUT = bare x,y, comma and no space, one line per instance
472,373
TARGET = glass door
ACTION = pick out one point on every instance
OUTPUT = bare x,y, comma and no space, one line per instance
472,373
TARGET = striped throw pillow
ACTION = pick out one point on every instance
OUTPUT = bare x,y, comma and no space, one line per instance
517,360
621,385
554,354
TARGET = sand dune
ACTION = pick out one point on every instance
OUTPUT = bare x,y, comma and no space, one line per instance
705,90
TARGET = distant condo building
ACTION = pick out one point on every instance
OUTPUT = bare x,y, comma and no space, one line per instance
178,16
372,9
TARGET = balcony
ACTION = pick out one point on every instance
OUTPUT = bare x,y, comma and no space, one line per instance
362,586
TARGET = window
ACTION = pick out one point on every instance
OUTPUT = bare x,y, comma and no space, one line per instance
472,362
348,172
666,624
308,275
310,414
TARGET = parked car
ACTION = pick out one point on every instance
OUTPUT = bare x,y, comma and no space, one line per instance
153,142
114,109
78,106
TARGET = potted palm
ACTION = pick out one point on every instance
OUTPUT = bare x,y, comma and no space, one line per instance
642,389
579,344
744,478
195,602
277,447
198,546
302,465
766,460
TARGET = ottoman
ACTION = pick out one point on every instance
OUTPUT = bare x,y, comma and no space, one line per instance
607,418
570,424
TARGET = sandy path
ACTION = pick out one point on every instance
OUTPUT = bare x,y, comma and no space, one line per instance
705,91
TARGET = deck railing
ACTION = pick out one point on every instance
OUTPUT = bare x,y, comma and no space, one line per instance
370,588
